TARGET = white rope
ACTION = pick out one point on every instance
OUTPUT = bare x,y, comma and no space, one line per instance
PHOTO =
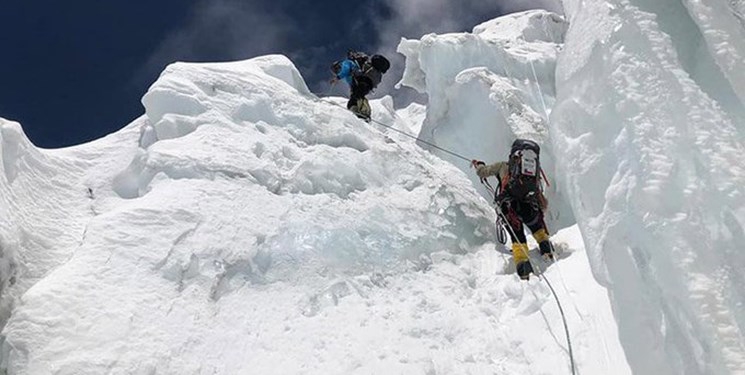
499,212
541,276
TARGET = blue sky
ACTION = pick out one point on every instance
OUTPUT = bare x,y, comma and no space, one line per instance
73,71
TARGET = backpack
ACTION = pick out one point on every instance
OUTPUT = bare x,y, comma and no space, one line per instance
524,171
360,58
371,68
380,63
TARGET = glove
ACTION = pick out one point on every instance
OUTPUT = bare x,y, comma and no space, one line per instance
333,81
476,164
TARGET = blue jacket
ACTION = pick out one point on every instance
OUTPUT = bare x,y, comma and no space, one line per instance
348,68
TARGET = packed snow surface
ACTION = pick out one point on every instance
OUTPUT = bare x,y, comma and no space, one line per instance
244,225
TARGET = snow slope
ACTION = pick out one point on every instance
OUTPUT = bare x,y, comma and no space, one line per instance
649,118
244,225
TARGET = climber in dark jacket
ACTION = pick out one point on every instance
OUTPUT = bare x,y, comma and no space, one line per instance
520,210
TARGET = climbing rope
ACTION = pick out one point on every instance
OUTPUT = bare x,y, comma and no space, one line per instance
540,275
408,135
498,210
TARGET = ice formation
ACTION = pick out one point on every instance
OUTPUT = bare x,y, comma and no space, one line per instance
641,112
488,87
647,118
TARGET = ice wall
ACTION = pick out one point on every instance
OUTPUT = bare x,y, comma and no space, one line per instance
648,119
488,87
721,26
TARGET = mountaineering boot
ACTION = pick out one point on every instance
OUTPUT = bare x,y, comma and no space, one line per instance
544,245
363,117
362,109
547,251
520,256
355,109
524,270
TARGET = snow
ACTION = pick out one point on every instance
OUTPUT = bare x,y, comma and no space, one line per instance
243,225
722,26
644,142
650,130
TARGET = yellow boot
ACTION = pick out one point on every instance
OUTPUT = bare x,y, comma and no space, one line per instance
520,256
544,245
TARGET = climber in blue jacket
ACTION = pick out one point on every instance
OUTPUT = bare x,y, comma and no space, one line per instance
346,69
363,74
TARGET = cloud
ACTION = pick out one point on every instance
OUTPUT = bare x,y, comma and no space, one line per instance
520,5
311,35
222,30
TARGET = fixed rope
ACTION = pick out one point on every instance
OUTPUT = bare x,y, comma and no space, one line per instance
540,275
452,153
498,210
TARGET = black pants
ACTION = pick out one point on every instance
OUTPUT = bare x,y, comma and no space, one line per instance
520,213
361,86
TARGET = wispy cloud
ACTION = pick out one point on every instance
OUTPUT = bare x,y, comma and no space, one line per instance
519,5
222,30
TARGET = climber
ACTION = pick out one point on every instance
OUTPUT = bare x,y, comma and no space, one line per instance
520,200
363,74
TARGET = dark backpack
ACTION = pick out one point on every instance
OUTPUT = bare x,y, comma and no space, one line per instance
373,69
380,63
360,58
524,171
